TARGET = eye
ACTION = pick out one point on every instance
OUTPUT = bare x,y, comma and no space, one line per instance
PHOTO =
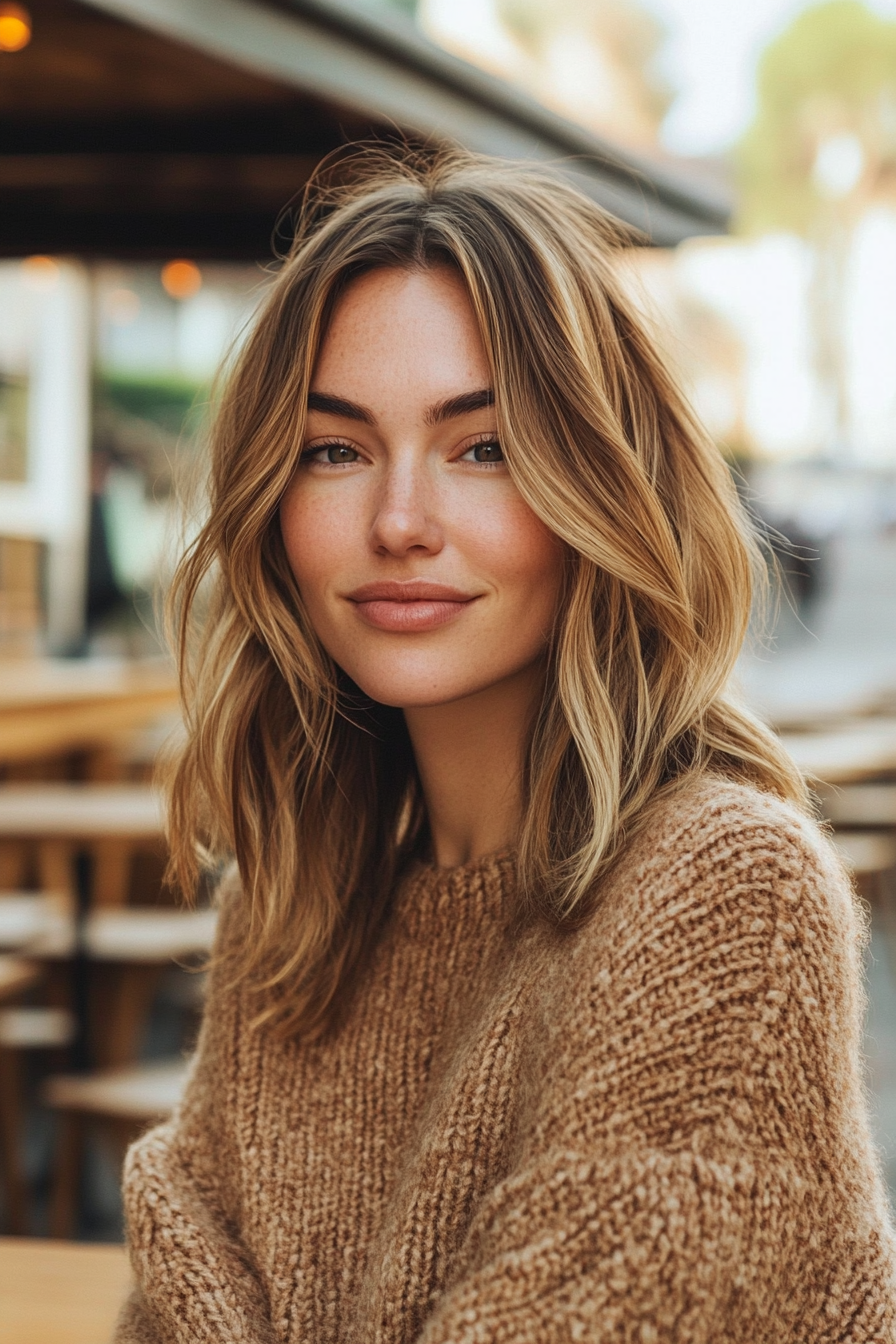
489,451
331,454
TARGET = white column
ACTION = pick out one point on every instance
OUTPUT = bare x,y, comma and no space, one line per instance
54,503
60,451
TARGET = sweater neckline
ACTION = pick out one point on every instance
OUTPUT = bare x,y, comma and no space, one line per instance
484,888
494,859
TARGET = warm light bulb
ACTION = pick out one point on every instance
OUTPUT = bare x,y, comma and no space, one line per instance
41,273
181,279
15,27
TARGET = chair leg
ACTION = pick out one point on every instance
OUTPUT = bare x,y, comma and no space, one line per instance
54,866
122,998
112,871
13,864
67,1177
11,1142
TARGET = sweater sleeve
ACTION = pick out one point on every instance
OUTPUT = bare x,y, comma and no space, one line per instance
195,1280
698,1166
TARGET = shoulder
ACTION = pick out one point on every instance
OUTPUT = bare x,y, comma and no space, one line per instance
718,976
713,840
733,899
230,903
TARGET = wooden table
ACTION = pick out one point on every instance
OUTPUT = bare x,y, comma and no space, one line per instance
16,976
35,925
49,706
80,811
59,1292
109,819
857,750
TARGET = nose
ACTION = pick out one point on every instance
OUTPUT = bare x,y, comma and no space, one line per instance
406,513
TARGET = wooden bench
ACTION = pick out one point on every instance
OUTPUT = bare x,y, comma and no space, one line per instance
860,805
122,1102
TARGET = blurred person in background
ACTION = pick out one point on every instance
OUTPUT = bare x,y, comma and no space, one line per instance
535,1012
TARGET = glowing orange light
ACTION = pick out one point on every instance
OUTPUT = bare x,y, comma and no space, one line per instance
181,279
15,27
40,272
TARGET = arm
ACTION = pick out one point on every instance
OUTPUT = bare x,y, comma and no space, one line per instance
194,1278
697,1169
643,1245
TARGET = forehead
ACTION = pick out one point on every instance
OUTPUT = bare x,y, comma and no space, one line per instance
402,326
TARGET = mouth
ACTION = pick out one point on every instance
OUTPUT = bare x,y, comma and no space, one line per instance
409,605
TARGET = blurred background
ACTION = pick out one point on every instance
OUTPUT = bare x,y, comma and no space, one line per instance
150,161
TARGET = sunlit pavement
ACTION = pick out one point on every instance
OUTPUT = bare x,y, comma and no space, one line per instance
842,652
845,655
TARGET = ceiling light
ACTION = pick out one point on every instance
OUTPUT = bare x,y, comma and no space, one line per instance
15,27
181,279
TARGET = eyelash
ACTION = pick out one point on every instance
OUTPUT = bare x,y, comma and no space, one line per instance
310,453
486,440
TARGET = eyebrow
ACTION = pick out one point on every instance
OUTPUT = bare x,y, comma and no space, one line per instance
461,405
437,414
341,406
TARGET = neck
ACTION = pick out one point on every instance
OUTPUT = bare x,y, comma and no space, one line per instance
469,756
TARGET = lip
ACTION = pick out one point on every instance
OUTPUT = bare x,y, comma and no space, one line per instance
409,605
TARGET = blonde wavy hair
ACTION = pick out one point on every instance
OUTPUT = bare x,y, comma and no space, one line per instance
286,765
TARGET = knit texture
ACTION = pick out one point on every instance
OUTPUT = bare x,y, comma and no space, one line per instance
649,1129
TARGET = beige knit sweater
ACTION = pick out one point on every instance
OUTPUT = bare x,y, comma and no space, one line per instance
651,1129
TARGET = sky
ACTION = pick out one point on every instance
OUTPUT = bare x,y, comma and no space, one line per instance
711,55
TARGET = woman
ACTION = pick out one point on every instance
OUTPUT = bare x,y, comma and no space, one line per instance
536,1008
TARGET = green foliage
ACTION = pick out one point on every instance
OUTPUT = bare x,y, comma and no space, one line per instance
832,72
170,402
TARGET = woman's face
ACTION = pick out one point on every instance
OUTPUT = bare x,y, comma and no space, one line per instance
425,574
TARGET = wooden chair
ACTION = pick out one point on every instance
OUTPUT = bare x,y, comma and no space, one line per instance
846,753
871,858
128,951
863,816
864,806
121,1103
107,820
867,854
16,977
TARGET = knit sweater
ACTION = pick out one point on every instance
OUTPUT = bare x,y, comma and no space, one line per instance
651,1128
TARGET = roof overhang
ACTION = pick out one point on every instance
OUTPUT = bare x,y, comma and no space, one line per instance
147,128
380,65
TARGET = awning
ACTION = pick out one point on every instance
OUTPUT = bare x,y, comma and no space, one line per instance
147,128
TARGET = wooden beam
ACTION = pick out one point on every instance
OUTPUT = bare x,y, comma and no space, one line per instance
247,177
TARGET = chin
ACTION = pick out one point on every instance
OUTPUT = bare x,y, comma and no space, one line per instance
416,691
416,697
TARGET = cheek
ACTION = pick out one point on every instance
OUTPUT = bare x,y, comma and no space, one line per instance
315,541
519,551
